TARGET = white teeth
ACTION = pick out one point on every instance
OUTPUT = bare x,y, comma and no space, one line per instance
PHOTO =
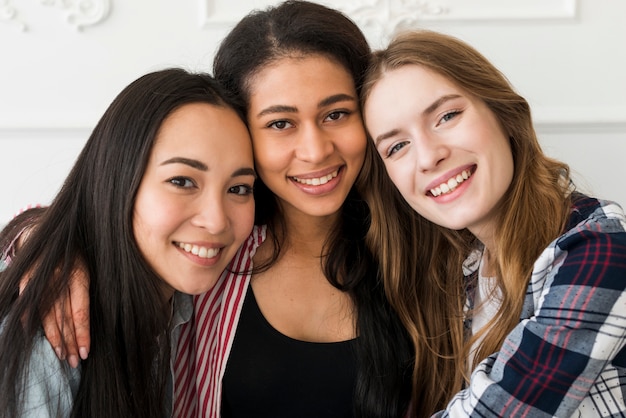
318,180
451,184
201,252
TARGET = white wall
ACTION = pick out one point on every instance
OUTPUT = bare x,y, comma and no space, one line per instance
57,77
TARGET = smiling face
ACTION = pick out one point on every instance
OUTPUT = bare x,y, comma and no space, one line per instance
194,207
308,136
443,148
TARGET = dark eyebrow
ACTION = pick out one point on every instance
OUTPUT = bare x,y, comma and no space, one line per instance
187,161
277,109
292,109
244,171
335,99
430,109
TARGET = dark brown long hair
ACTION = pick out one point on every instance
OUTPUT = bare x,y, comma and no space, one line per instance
301,28
125,374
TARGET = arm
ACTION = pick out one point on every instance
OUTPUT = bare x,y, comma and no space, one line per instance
549,364
67,326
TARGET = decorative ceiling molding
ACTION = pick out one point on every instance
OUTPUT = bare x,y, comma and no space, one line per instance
8,13
79,13
385,17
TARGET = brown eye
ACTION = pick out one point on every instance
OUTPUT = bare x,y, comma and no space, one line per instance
279,124
336,115
241,189
182,182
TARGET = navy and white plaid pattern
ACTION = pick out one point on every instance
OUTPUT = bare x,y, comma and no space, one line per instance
567,356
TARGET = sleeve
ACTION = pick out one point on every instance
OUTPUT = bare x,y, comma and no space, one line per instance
51,384
572,346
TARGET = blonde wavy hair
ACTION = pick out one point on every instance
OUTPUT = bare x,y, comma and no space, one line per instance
421,262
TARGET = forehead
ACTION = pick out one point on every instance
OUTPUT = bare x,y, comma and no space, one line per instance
200,127
300,77
411,85
401,94
412,77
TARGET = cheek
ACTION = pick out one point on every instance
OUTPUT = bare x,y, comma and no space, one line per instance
142,234
242,217
400,174
507,171
356,143
153,216
268,158
503,158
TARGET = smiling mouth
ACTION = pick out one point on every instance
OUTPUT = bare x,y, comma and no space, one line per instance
202,252
317,181
452,183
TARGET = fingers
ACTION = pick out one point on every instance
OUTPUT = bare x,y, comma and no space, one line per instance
59,330
53,333
79,298
63,315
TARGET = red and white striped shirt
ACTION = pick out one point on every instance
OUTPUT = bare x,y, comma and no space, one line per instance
205,341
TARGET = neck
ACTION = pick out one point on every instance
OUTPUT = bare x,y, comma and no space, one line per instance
488,267
307,234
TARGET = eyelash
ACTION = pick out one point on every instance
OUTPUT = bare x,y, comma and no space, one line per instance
339,113
176,181
240,189
247,190
394,148
452,114
276,122
448,116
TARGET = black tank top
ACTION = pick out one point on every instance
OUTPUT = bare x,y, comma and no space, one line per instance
271,375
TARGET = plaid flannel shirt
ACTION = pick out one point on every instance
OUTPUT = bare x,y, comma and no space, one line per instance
567,355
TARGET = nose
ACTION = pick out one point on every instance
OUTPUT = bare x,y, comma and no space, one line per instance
430,151
314,145
211,213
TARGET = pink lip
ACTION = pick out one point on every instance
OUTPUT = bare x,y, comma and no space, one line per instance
205,262
447,176
317,174
449,197
322,188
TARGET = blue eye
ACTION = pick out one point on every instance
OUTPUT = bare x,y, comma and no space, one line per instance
241,189
396,147
449,116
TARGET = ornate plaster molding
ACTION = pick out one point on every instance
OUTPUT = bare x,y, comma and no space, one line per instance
384,17
8,13
387,16
79,13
